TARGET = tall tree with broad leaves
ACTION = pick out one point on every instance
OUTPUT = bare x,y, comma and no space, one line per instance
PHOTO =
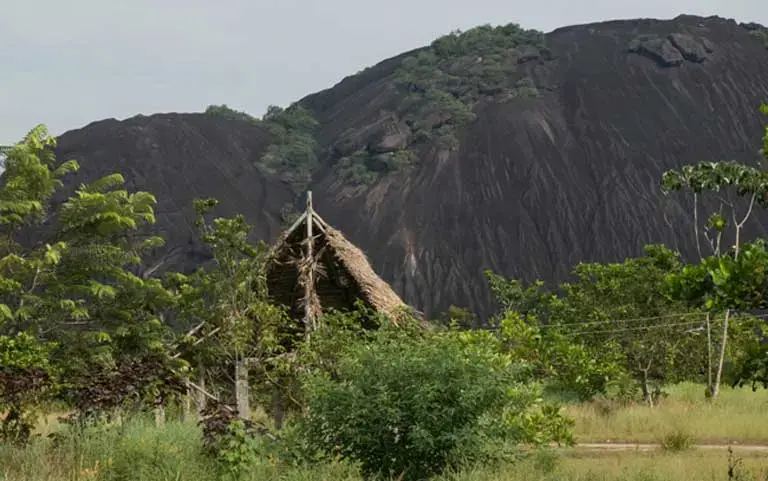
77,286
730,183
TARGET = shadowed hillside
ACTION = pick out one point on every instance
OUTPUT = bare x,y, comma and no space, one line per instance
498,149
178,158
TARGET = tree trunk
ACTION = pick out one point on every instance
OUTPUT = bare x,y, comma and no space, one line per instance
242,390
159,415
709,352
278,408
647,394
200,399
716,387
186,407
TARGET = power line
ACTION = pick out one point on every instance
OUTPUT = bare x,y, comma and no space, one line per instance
611,321
641,328
636,319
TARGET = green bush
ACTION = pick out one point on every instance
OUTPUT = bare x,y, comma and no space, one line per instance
365,168
230,113
413,406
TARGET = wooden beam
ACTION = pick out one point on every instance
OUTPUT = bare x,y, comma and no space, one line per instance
320,221
202,391
296,223
309,321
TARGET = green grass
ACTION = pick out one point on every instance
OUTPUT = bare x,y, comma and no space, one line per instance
144,453
731,418
140,451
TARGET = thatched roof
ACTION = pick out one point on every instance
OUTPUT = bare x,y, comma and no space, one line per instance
341,273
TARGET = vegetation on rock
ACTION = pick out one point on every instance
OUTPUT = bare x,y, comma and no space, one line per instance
230,113
364,168
447,79
293,153
761,34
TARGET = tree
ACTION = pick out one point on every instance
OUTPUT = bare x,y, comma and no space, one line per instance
727,182
568,366
75,285
611,315
226,306
624,303
730,283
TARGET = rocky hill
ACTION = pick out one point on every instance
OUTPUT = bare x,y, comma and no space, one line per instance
498,148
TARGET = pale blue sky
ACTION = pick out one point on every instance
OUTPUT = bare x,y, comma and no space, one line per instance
67,63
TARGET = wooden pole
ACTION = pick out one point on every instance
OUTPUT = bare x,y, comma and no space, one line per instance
718,375
200,393
242,389
309,321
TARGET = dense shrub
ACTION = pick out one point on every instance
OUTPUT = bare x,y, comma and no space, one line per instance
403,405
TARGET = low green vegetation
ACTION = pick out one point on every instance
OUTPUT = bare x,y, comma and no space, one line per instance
365,168
761,34
447,79
230,113
141,450
293,153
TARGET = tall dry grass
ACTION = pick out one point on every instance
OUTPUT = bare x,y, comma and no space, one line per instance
735,417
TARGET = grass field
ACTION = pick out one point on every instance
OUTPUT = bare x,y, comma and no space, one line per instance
735,417
142,452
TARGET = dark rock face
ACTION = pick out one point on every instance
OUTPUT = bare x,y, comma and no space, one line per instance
692,50
661,50
674,49
539,185
179,158
536,185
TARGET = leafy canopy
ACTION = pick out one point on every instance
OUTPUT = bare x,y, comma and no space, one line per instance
80,292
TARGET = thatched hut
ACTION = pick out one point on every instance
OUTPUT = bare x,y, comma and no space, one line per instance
312,267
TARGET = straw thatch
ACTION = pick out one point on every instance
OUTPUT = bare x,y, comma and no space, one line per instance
339,273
